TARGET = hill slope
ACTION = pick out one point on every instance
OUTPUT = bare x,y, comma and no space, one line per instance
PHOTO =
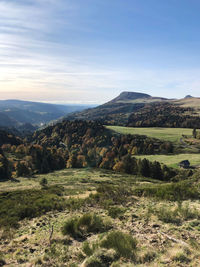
118,110
142,110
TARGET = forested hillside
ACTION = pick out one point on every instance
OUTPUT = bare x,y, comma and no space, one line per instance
165,115
78,144
141,110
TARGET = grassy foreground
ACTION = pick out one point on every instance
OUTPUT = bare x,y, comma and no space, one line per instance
103,219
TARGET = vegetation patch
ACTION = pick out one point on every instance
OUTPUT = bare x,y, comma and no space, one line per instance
79,227
124,244
176,215
173,191
116,212
18,205
101,258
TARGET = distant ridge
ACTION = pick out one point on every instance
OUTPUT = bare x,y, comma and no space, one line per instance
29,115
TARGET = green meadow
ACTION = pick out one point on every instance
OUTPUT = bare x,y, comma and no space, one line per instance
173,160
167,134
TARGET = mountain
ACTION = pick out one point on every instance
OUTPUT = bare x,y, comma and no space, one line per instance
118,110
127,96
18,113
135,109
188,96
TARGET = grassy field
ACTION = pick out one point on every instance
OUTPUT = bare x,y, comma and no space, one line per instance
167,134
173,160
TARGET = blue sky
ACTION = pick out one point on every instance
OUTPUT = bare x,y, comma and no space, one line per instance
88,51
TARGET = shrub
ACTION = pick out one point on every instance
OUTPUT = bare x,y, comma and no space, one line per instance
115,212
81,226
148,256
75,203
71,227
124,244
43,182
101,258
87,249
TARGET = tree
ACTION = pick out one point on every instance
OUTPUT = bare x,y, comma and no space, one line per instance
4,167
22,169
143,167
194,133
156,171
43,182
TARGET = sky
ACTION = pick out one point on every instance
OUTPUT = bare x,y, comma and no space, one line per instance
88,51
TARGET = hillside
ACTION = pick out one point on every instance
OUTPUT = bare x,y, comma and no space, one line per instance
6,121
168,114
142,110
118,110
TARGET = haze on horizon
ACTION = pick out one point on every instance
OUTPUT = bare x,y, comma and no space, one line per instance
75,51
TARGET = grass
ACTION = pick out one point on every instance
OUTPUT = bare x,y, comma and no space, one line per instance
173,160
177,214
167,134
118,200
75,181
172,191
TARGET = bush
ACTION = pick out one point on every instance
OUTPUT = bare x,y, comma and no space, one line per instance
87,249
78,227
43,182
115,212
101,258
124,244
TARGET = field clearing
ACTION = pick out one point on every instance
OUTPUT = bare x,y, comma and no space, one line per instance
167,134
173,160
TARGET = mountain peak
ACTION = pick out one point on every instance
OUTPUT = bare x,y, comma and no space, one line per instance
126,95
188,96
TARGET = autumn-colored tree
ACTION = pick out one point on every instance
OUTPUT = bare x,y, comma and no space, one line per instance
22,169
